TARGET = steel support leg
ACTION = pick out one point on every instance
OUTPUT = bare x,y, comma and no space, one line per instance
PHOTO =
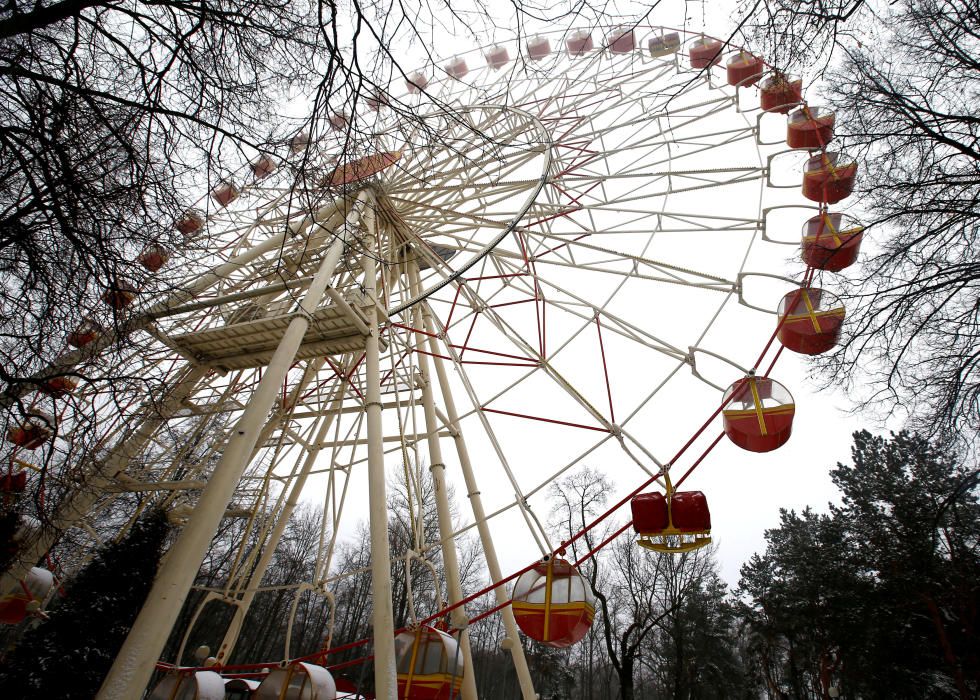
479,514
438,469
242,606
385,681
135,662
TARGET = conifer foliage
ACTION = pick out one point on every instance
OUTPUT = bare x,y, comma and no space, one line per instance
880,597
68,655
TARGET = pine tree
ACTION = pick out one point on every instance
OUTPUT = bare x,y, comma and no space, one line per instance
68,655
880,596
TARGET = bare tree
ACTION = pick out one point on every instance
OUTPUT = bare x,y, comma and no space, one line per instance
901,77
637,592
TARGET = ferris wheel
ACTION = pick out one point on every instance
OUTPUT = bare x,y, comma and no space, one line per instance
512,264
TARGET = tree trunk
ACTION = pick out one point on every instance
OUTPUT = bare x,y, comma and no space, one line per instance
626,679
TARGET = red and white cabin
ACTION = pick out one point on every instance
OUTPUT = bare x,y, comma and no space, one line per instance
621,40
417,82
810,320
779,92
190,223
553,604
12,483
538,47
457,68
429,665
704,52
299,142
744,69
497,57
154,257
339,121
758,414
675,522
120,294
828,177
59,386
579,42
190,685
32,432
263,166
298,681
86,332
831,241
810,127
224,193
376,100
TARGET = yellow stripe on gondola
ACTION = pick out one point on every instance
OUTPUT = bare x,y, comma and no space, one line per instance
810,312
556,608
411,669
771,411
829,223
839,238
818,314
547,599
758,406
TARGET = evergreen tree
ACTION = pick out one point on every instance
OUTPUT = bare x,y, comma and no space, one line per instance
695,655
879,597
68,655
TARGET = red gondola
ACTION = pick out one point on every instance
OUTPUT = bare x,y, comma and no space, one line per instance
621,40
33,432
299,142
87,331
780,93
758,414
829,177
362,168
664,45
704,52
678,521
59,386
154,257
430,665
120,294
27,599
339,121
225,193
190,223
538,47
377,100
579,42
553,604
831,241
744,69
810,128
457,68
263,166
417,82
497,57
13,482
810,320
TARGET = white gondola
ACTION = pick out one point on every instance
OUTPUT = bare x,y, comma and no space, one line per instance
197,685
298,681
239,688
